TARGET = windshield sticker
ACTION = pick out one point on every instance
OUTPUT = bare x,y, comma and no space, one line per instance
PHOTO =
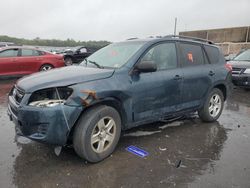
114,53
137,151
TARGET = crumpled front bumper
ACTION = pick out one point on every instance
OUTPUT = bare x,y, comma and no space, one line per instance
50,125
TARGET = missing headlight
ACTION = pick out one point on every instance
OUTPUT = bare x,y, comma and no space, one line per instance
50,97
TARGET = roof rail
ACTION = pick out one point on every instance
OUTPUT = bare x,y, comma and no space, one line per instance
187,37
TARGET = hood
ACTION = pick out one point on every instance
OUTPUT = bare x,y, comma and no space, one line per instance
62,77
240,64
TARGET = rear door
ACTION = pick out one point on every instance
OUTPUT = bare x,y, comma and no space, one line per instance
197,74
29,60
8,62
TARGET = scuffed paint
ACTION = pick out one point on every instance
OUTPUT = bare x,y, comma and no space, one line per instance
90,95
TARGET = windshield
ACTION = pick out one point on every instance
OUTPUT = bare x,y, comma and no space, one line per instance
244,56
114,55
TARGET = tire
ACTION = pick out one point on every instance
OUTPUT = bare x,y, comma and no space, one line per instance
46,67
92,132
68,61
213,106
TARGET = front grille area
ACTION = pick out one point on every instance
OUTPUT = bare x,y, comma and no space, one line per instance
237,71
17,94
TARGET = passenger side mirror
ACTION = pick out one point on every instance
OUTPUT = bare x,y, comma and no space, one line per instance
146,66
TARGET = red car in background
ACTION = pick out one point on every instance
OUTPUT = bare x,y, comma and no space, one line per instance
19,60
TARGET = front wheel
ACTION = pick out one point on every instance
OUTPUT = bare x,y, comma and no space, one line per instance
213,106
97,133
68,61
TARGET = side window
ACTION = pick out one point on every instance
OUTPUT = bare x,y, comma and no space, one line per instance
27,52
9,53
163,55
191,54
213,54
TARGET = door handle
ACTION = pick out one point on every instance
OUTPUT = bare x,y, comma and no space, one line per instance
177,77
211,73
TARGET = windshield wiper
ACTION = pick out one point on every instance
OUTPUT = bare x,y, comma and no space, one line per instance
93,62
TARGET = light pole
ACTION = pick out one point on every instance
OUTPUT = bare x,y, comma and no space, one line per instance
175,23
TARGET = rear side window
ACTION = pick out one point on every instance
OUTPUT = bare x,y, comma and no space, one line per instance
192,54
213,54
9,53
30,52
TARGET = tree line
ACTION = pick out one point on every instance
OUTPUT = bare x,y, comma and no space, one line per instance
54,42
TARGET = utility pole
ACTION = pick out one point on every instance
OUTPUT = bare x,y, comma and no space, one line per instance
175,23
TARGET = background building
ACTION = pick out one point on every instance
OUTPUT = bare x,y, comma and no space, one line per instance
232,40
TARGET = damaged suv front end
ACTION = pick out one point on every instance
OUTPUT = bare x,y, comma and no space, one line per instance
43,115
47,113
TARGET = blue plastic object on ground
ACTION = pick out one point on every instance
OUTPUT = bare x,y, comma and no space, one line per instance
137,151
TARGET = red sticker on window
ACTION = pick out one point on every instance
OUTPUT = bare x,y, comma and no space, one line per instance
114,53
190,57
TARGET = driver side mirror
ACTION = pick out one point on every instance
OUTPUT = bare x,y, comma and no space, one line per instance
146,66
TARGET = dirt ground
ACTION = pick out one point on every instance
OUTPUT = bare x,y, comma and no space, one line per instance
183,153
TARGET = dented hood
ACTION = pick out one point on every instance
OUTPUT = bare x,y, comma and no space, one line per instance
62,77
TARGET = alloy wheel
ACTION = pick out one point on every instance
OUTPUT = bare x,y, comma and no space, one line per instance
103,134
215,105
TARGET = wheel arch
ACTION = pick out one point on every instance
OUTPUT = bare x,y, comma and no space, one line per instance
68,56
109,101
45,63
223,89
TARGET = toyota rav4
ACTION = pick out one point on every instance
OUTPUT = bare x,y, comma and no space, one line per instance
121,86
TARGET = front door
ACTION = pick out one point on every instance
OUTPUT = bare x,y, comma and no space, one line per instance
8,62
157,93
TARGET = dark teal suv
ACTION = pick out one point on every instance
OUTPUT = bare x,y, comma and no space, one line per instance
121,86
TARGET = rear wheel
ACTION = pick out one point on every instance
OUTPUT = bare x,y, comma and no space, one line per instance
213,106
97,133
46,67
68,61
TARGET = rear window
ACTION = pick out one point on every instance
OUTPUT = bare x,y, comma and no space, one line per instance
213,54
192,54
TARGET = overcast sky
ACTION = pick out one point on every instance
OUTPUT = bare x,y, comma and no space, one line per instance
116,20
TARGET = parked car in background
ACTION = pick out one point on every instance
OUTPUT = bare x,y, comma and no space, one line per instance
19,60
5,44
241,69
121,86
77,56
230,57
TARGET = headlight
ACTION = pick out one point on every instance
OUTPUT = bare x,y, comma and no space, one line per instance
46,103
247,71
50,97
